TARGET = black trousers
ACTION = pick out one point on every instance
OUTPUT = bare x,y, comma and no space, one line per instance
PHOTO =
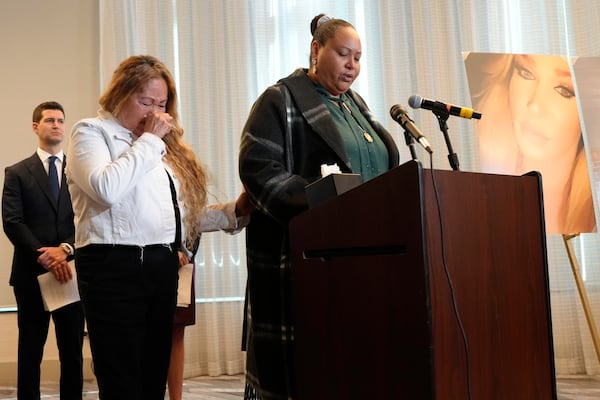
129,295
33,323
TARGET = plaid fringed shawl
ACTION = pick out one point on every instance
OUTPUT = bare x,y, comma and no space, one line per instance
283,145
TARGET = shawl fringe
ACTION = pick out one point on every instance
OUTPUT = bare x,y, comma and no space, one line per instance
250,393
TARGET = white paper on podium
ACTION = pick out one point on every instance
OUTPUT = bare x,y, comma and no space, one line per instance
56,294
184,289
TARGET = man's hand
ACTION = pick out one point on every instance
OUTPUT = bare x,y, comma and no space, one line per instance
54,259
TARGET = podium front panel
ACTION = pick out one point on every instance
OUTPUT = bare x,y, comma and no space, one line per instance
374,312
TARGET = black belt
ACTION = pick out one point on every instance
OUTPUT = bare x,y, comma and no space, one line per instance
91,246
130,247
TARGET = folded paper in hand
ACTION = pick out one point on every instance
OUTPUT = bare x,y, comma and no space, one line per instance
56,294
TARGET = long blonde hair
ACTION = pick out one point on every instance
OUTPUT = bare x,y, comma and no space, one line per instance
129,77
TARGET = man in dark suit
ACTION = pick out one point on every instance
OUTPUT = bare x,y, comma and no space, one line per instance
38,219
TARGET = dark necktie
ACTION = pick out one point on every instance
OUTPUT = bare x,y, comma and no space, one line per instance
53,177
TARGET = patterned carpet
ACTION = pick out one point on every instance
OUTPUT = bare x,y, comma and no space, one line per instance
231,388
578,387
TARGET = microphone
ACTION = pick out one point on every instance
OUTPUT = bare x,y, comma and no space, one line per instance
399,115
416,101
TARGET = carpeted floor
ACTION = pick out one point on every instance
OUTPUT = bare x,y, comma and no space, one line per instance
232,388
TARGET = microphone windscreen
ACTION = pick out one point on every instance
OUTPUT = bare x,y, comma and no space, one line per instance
415,101
396,111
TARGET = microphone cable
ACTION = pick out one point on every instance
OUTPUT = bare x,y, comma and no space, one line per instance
450,283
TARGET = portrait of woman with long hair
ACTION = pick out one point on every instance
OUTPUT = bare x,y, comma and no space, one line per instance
531,123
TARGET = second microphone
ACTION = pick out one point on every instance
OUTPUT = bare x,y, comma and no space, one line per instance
398,114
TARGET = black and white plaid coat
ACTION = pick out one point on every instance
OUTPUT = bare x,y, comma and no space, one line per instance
288,135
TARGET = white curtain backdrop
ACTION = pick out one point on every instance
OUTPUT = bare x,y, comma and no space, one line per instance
224,53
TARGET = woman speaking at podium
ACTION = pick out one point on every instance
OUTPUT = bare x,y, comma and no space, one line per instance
307,119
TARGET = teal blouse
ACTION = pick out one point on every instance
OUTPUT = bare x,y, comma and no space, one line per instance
368,155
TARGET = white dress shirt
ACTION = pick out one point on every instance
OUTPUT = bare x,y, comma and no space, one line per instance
44,156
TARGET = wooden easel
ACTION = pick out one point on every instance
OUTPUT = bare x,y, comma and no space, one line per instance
582,292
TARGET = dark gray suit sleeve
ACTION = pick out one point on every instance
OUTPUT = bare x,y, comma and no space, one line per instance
13,217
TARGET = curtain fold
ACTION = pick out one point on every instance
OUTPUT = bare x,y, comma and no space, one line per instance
224,53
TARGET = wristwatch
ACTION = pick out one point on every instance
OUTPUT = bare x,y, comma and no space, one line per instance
67,248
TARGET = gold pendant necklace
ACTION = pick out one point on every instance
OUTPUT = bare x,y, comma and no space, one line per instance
366,134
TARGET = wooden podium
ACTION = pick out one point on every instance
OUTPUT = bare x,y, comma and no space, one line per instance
424,284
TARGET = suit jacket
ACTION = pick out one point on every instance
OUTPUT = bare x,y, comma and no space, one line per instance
31,217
